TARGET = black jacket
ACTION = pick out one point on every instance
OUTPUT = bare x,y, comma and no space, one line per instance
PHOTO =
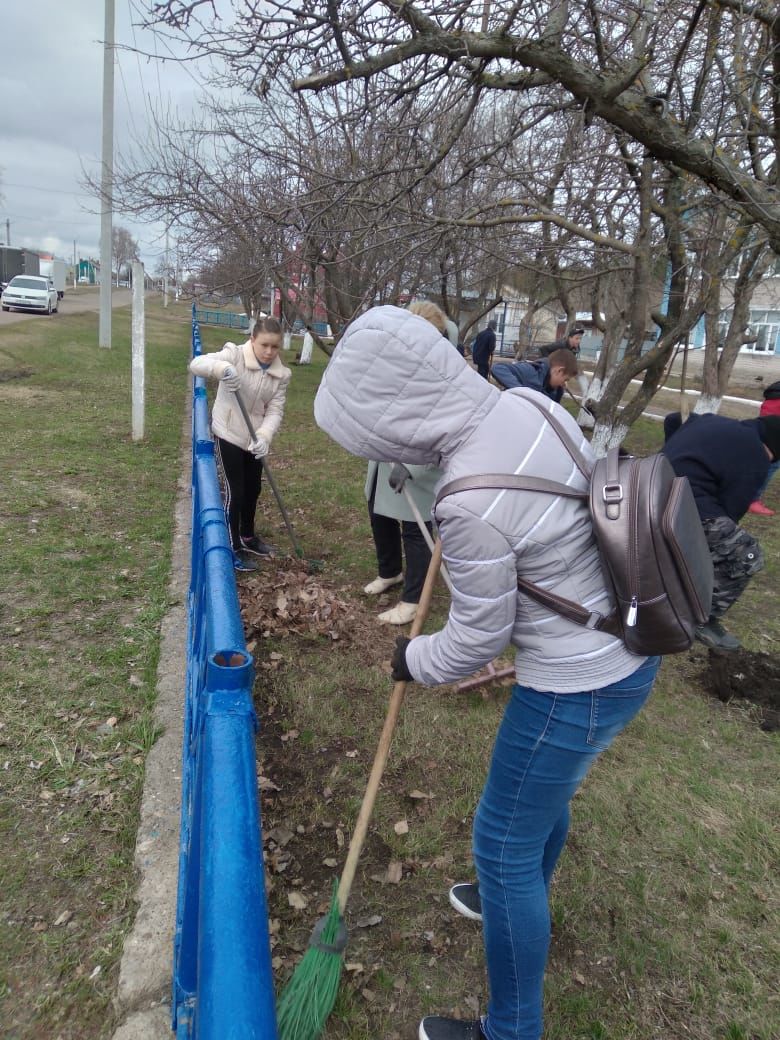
484,346
724,459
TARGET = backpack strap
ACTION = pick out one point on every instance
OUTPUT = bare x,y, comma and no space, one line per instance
575,612
567,608
573,449
507,482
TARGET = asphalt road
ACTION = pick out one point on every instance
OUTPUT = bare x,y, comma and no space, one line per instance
80,302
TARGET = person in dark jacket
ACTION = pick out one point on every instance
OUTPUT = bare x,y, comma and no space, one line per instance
571,341
483,349
726,462
769,406
548,375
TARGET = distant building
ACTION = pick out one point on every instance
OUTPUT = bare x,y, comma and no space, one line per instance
87,272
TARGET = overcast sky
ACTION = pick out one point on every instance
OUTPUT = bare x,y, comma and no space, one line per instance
51,88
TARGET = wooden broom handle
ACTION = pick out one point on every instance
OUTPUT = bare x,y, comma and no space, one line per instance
383,750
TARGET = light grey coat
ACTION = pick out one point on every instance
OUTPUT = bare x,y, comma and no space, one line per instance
396,390
388,502
263,391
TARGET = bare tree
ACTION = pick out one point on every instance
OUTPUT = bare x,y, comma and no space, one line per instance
695,83
124,249
421,152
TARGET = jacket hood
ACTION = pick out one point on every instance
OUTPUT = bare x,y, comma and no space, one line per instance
396,390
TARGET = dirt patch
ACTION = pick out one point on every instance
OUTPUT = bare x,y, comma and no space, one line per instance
14,391
16,373
747,677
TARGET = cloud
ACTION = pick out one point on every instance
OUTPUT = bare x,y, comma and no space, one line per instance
51,83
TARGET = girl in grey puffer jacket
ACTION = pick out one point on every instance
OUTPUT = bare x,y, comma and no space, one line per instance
396,391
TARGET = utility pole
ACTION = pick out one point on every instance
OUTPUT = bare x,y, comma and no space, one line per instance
7,232
107,179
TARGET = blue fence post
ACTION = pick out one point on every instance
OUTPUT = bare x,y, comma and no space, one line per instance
222,978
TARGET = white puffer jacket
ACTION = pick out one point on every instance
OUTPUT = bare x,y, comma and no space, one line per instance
263,391
395,390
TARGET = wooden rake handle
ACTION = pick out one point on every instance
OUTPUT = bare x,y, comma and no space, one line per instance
383,750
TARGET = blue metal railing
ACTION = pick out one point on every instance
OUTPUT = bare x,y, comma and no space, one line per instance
222,980
229,319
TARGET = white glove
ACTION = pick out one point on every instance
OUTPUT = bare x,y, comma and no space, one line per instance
259,447
231,378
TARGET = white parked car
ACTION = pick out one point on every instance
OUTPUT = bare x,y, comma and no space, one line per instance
30,293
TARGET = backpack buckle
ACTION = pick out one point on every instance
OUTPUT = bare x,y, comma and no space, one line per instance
612,493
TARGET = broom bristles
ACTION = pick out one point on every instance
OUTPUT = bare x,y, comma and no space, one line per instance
308,998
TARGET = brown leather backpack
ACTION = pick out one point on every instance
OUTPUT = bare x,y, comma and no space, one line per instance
654,553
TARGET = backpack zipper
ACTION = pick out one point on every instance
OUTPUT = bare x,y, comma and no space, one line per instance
633,581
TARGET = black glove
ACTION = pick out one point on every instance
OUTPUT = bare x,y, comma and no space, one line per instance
399,670
398,477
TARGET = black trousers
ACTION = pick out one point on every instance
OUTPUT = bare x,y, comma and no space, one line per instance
389,535
243,475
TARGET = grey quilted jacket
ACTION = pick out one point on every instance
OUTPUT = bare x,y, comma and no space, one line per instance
396,390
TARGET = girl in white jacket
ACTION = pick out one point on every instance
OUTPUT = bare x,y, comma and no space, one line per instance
255,370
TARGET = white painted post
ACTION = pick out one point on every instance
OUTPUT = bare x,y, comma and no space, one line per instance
138,349
165,279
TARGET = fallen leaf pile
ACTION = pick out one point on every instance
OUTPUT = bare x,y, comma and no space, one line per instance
289,600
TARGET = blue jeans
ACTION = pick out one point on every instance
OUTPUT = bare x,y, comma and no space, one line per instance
545,746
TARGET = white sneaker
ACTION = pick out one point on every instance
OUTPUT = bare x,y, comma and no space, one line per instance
401,614
378,585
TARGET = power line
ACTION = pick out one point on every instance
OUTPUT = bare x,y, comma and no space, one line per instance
52,191
47,220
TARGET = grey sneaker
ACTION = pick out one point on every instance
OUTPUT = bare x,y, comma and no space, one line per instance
256,545
242,564
434,1027
465,899
713,634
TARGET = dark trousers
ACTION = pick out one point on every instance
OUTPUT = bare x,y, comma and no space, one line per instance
483,367
736,557
243,475
389,535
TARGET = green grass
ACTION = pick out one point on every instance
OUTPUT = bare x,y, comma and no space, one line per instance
85,530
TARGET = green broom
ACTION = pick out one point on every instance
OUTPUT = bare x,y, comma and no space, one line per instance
309,996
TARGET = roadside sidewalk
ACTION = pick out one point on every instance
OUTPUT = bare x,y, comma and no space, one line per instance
143,996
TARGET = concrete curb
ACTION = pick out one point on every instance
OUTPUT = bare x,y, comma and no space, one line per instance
144,992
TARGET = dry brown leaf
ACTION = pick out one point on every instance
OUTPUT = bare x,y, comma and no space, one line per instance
369,922
297,900
395,872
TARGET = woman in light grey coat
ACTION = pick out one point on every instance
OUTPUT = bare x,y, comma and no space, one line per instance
395,390
393,522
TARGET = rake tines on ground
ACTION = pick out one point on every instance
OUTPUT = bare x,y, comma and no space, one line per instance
308,998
